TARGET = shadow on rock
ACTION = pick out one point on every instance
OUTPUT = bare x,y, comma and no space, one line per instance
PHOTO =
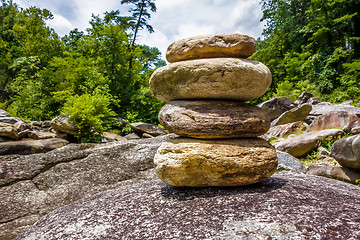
188,193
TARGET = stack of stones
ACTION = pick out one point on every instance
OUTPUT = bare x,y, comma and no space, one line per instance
206,86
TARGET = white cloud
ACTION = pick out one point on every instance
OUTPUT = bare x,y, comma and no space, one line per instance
174,19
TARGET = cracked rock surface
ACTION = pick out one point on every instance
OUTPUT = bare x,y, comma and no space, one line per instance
281,207
33,185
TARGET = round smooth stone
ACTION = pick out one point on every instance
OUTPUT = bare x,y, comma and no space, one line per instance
211,46
214,119
213,78
226,162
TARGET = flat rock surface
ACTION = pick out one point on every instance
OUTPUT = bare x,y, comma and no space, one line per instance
282,207
332,120
214,119
31,146
33,185
324,108
296,114
211,46
216,162
213,78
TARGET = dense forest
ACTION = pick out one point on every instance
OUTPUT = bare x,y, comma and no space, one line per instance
309,45
312,45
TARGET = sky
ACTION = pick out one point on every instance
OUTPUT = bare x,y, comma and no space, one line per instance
173,20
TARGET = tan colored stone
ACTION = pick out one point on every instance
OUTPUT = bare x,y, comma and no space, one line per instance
211,46
332,120
198,163
296,114
287,129
8,131
217,78
214,119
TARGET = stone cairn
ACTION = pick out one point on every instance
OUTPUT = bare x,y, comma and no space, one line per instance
206,86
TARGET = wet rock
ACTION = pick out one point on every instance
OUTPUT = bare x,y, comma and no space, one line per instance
303,144
296,114
332,120
346,151
282,207
213,119
211,46
213,78
277,106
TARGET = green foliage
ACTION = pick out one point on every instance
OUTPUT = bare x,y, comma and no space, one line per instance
357,182
91,114
312,45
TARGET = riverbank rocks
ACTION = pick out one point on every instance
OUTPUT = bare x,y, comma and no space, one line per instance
217,144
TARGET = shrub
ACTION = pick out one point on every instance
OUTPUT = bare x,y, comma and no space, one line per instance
91,114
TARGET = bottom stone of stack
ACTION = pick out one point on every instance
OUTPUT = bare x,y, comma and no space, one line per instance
220,162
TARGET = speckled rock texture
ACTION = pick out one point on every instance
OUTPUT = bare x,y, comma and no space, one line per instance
346,151
288,163
332,120
303,144
282,207
215,78
214,119
296,114
197,163
211,46
33,185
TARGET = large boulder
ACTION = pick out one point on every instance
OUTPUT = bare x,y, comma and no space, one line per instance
346,151
324,108
214,119
211,46
216,162
4,113
31,146
282,207
277,106
332,120
303,144
213,78
33,185
353,127
296,114
334,172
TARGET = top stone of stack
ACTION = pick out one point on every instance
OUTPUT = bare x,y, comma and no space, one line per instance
211,46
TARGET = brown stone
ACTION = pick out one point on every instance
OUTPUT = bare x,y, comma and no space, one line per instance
287,129
40,135
217,78
353,126
213,119
335,172
199,163
303,144
211,46
346,151
277,106
332,120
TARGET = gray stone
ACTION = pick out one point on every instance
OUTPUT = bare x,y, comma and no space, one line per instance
282,207
8,131
213,119
33,185
212,78
303,144
31,146
296,114
303,98
287,129
332,120
40,135
346,151
10,120
277,106
353,127
154,130
4,113
61,124
289,163
324,108
335,172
